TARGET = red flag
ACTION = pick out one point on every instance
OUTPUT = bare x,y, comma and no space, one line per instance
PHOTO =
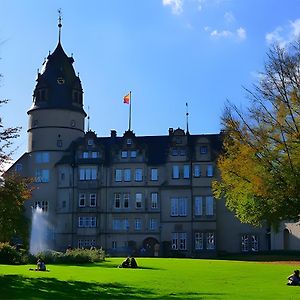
126,99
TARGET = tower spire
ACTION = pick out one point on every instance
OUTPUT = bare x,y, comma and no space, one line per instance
59,24
187,118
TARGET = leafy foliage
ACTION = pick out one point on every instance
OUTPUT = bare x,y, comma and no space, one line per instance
14,191
74,256
10,255
260,166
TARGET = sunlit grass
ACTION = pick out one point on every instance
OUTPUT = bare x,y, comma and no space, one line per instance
155,279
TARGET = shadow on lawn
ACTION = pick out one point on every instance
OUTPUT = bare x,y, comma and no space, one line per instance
19,287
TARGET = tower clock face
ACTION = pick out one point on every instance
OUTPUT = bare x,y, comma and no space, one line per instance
60,80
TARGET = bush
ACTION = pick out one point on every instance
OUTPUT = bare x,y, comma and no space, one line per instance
10,255
74,256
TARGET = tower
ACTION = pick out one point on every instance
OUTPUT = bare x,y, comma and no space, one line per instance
56,116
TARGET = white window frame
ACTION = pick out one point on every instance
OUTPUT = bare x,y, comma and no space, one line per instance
138,224
133,154
124,154
42,175
197,170
210,241
126,199
178,207
154,200
138,200
199,240
81,200
117,200
153,224
209,171
85,154
93,200
87,173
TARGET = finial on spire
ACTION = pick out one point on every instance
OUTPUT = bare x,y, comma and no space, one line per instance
187,118
88,118
59,23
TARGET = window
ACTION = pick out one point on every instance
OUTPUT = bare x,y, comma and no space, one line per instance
175,152
127,175
209,206
87,222
198,206
178,207
42,157
138,174
85,154
138,224
203,149
59,143
249,242
93,200
114,244
124,154
42,205
182,152
210,241
154,174
81,200
90,142
18,168
126,198
95,154
42,175
153,224
179,240
118,175
117,200
198,240
138,200
86,243
154,200
120,224
175,172
210,171
197,170
129,141
87,173
186,171
133,154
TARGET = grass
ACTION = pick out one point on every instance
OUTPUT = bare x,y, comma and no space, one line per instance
155,279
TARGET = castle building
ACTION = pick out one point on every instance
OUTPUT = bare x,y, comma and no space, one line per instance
141,195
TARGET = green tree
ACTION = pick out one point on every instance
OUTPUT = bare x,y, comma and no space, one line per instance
14,191
260,164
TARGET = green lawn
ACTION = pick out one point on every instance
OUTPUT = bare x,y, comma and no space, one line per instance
155,279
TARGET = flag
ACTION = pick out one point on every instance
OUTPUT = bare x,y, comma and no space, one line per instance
126,99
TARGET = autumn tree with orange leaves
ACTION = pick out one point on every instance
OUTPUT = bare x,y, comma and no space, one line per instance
260,162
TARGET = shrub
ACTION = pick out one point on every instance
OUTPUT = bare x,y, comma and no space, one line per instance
74,256
9,255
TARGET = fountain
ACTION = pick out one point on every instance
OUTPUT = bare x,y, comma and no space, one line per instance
39,241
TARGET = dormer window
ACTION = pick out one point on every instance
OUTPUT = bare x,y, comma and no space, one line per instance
90,142
203,149
60,80
129,141
124,154
133,154
178,140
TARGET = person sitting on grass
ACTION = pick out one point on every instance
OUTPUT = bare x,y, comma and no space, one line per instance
294,278
125,263
133,263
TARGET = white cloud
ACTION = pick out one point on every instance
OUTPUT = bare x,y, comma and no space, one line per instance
239,34
229,17
283,35
176,5
295,28
200,4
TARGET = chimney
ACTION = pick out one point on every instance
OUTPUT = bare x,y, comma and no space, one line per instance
113,133
171,131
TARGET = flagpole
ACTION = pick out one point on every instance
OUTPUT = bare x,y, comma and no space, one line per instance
129,111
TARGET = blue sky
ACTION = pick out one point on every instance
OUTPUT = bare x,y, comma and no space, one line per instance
167,52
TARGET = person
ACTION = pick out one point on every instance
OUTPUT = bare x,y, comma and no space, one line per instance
125,263
294,278
133,263
40,266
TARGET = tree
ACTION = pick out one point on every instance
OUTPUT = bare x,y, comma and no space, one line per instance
14,190
13,193
260,162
